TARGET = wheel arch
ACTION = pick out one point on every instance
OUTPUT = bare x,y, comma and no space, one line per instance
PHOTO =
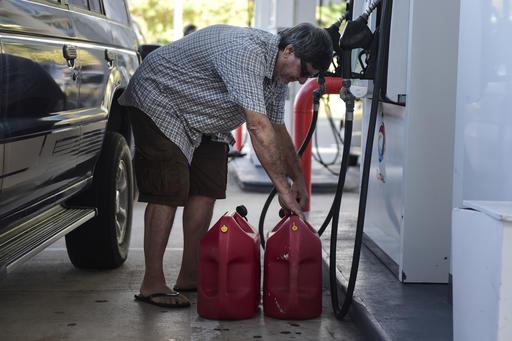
118,120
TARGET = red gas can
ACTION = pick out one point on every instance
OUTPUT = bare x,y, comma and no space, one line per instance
292,280
229,270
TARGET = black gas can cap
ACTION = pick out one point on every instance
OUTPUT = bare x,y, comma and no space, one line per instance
241,210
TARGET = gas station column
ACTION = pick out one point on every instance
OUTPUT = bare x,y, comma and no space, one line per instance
273,15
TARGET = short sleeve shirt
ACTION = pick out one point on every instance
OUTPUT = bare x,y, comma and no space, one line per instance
201,84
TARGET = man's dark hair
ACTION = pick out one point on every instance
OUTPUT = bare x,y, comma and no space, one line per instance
310,43
190,28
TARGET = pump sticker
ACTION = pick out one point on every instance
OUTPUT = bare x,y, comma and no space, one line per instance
381,146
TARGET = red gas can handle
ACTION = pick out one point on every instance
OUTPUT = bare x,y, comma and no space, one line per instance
284,217
282,213
285,214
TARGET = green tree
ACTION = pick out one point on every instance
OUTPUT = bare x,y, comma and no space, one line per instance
329,13
156,18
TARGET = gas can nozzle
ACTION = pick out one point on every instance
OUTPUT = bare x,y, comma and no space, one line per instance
242,210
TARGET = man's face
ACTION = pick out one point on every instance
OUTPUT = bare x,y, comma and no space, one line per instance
290,68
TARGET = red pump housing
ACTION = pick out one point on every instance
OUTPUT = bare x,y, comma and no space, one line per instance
302,115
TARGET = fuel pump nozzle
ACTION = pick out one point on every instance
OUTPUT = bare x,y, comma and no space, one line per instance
348,97
356,33
334,33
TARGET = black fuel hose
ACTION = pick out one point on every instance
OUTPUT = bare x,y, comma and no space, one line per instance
340,312
335,208
317,94
378,84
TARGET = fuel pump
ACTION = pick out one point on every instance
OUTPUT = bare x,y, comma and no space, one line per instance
374,45
371,57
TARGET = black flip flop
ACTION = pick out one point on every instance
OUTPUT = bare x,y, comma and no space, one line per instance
149,299
184,289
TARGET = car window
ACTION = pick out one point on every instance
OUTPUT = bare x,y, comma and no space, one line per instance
79,3
116,10
95,6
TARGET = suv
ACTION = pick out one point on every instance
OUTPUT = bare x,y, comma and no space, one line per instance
65,155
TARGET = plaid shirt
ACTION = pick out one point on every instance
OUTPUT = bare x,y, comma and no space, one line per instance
199,85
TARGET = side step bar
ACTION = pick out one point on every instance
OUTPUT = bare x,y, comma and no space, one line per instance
26,240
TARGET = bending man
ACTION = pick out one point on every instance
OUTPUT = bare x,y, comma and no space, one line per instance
184,100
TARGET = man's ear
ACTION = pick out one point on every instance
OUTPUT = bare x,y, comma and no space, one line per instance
289,49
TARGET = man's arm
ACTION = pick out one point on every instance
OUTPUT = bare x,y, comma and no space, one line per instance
266,143
293,168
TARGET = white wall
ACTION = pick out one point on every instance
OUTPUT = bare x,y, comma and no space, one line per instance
483,147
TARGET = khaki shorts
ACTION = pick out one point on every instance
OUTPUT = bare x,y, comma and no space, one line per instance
162,171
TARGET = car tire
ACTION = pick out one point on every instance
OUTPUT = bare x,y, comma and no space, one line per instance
103,242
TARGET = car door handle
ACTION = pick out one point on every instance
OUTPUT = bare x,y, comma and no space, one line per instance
70,54
109,57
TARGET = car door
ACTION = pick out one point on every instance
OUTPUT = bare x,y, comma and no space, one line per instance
2,123
109,55
40,98
96,60
1,165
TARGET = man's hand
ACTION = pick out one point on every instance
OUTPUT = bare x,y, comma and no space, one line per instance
299,192
289,203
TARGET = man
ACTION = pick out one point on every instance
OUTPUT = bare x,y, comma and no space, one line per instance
184,100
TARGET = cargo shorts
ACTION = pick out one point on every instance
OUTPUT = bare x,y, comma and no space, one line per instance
162,170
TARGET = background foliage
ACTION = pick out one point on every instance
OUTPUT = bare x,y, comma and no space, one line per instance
327,14
156,18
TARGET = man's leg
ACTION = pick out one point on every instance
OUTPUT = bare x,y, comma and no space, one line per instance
197,216
158,220
208,175
162,173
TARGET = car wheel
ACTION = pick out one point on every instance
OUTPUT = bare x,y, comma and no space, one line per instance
102,242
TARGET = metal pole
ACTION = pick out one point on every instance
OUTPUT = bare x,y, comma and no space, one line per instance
178,19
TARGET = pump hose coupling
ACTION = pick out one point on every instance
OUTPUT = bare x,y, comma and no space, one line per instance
348,97
318,93
370,9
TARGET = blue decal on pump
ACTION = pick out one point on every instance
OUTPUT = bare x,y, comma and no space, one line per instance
381,146
381,141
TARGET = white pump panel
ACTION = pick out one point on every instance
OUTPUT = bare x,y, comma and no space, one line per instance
397,72
483,148
408,215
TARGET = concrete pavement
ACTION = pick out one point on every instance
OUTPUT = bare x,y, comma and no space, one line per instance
48,299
